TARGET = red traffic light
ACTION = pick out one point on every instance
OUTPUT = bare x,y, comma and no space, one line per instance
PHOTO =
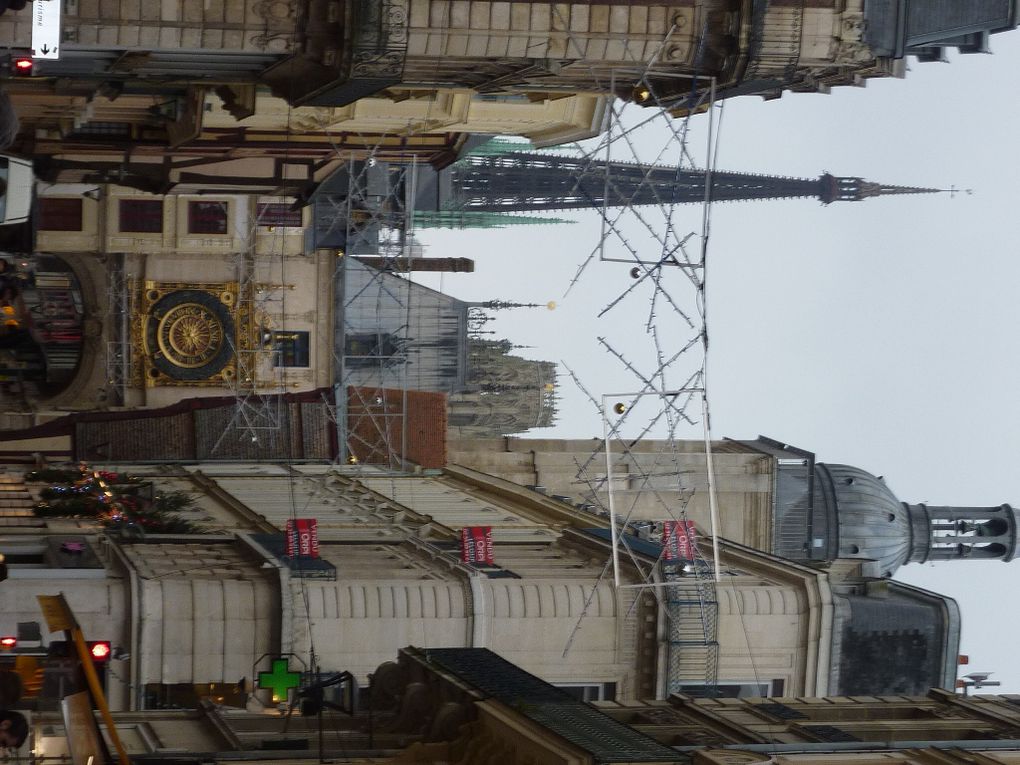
100,650
8,641
23,66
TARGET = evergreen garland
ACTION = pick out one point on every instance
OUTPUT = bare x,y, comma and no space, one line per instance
111,499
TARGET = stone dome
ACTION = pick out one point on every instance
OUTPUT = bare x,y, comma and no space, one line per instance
869,520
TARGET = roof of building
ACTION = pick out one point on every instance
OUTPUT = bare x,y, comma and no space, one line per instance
893,639
605,739
872,522
925,28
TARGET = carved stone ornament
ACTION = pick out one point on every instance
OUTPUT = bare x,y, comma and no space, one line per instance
731,757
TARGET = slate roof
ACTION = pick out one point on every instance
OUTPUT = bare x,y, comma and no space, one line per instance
605,739
926,27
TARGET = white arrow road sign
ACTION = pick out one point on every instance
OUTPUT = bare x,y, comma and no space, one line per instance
46,29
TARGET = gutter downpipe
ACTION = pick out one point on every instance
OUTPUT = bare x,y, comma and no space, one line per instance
662,646
479,611
286,601
819,638
137,627
478,628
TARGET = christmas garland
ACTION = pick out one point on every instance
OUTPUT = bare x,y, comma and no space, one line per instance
114,500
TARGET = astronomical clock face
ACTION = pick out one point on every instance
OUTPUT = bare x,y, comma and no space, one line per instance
188,336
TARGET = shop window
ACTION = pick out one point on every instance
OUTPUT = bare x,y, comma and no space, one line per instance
56,214
270,214
207,217
190,695
143,216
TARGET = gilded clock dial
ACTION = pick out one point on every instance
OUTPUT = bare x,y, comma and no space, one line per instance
190,335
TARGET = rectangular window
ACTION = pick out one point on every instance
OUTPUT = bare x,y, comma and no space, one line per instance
120,129
57,214
727,690
207,217
290,349
370,349
590,691
143,216
188,696
277,214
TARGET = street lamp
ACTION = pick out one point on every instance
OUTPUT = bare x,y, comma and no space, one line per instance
975,680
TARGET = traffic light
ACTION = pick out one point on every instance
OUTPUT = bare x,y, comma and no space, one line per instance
22,66
100,651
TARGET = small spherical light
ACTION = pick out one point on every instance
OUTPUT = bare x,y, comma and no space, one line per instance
619,407
635,272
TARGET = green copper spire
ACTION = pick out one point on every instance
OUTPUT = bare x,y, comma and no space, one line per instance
477,219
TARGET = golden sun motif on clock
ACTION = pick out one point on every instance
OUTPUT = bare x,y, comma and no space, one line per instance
189,335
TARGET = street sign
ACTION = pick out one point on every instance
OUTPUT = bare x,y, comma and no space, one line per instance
679,540
46,29
302,537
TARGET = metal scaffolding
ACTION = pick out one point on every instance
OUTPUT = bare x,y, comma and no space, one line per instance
119,304
377,354
636,177
257,380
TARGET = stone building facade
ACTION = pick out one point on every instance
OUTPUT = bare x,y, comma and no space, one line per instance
193,136
186,294
333,52
472,707
772,496
207,608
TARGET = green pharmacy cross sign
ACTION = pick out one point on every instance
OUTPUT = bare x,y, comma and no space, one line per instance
280,680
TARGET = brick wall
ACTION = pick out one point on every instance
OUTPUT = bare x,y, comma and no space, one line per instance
376,423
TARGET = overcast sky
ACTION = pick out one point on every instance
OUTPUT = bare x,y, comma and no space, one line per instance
882,334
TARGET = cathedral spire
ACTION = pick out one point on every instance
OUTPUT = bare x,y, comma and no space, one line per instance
511,182
844,189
